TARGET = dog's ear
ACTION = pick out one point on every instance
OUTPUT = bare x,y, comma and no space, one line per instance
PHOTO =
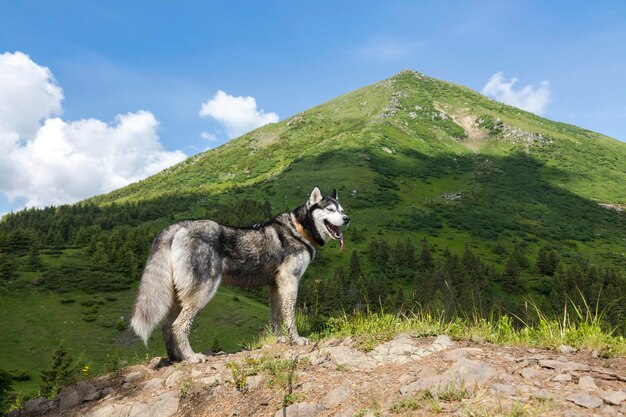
334,194
316,197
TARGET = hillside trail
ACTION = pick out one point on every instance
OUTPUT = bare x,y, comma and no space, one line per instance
463,118
405,376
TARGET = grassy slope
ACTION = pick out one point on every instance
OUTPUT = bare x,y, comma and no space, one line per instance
41,323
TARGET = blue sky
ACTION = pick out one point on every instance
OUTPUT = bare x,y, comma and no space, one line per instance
141,71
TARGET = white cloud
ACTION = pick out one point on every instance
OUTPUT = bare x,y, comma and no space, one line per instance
48,161
28,94
534,99
238,115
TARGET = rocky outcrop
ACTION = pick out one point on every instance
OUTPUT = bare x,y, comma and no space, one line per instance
406,375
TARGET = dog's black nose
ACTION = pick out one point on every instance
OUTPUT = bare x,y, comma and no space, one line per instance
346,219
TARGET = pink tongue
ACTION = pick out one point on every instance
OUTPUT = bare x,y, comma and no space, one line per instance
341,244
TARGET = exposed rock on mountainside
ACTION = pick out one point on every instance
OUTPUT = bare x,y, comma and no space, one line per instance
404,376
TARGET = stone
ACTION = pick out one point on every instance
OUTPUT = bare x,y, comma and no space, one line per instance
563,366
466,372
254,381
442,342
583,399
562,378
96,395
153,383
542,394
195,373
343,356
304,409
587,383
607,410
613,397
461,353
173,378
164,406
37,406
335,397
530,373
566,349
73,395
215,379
132,377
111,410
138,409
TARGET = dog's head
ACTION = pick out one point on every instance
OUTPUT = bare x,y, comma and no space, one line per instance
327,215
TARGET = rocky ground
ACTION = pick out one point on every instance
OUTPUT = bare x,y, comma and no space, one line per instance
402,377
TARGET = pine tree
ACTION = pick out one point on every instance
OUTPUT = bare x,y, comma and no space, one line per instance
426,261
355,265
511,276
60,373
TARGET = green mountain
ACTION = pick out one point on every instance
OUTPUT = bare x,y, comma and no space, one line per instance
457,203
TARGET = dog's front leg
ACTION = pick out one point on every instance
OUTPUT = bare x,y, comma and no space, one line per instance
287,286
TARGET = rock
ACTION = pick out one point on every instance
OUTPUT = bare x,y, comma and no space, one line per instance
195,373
155,362
215,379
504,389
530,373
465,372
254,381
111,410
96,395
304,409
132,377
138,409
587,383
562,378
37,406
563,365
542,394
442,342
613,397
566,349
173,378
73,395
460,353
335,397
164,406
153,383
343,356
607,410
583,399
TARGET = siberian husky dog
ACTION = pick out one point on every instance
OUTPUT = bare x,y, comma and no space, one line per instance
190,259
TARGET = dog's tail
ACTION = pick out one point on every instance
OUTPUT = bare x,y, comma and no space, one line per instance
156,291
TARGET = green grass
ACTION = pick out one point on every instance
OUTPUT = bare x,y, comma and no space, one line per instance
34,325
583,331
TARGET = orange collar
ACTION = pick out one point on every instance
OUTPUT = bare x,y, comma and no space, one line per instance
303,232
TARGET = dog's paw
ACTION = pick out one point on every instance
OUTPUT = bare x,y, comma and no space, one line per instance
300,341
197,358
283,339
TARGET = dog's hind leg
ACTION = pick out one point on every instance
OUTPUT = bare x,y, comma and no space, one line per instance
180,331
173,352
196,279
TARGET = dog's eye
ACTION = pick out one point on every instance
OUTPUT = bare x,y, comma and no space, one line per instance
331,209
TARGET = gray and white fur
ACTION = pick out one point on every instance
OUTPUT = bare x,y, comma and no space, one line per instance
189,260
